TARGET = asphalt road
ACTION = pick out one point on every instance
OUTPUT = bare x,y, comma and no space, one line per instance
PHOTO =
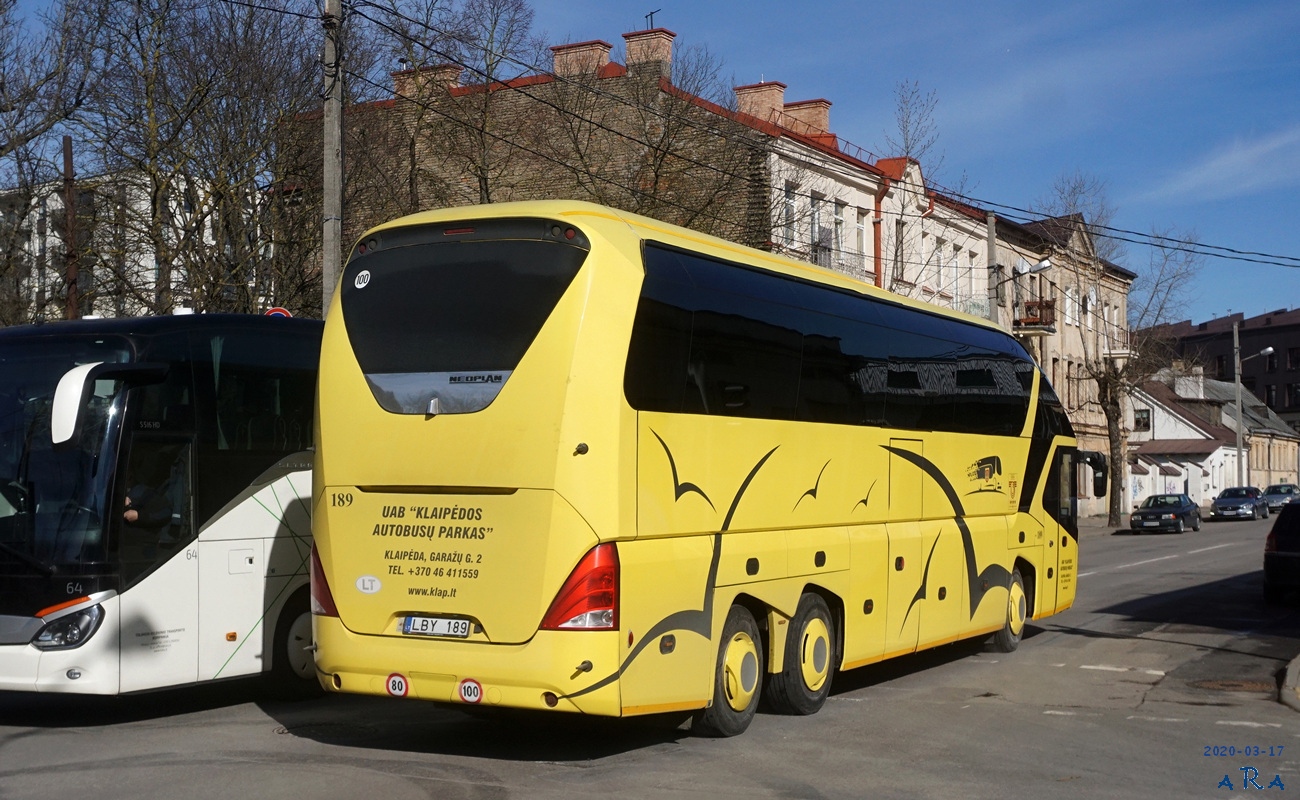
1160,682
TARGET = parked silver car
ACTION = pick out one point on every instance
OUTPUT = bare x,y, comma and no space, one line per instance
1239,502
1279,494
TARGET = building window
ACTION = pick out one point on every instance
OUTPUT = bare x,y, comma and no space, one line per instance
898,250
839,228
1270,362
1270,395
1221,367
1141,419
788,215
1293,395
1293,358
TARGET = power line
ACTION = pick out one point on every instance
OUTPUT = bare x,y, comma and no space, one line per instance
1021,215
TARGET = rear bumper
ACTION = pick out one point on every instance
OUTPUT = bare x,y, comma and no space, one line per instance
510,675
1156,525
1242,512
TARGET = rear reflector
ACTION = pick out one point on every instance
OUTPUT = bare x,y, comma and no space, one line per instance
589,598
322,601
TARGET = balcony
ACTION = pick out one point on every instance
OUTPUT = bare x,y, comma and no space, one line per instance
1035,318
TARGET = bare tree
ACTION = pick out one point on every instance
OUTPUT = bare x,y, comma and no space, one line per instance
188,131
45,76
1118,355
1088,195
48,67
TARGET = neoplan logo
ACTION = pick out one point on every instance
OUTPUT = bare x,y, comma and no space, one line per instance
481,378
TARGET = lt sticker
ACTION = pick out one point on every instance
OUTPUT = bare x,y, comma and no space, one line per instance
362,279
397,685
471,691
368,584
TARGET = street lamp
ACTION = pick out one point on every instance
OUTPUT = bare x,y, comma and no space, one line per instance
1236,376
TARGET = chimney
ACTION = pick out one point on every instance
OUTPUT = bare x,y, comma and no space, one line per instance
411,83
816,114
650,50
1191,387
761,100
581,58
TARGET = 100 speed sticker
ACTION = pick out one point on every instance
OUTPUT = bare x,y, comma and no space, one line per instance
470,690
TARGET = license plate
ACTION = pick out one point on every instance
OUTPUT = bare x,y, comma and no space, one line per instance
1151,524
436,626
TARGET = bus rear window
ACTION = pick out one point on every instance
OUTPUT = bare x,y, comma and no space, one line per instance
439,321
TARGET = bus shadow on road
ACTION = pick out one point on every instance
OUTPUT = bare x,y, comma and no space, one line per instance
30,709
417,726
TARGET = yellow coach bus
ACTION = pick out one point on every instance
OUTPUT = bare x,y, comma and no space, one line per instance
571,458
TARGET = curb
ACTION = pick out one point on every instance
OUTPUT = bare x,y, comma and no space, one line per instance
1289,694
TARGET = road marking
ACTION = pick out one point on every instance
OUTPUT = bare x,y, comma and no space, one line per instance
1108,668
1086,574
1148,561
1061,713
1157,719
1249,724
1215,547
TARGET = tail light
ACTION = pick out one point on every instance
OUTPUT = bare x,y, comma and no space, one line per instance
322,600
589,598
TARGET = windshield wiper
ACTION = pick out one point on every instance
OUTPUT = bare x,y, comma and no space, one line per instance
30,560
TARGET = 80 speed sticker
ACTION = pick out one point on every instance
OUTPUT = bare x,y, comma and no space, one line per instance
397,685
471,691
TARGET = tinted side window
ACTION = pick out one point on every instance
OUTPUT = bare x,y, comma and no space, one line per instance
257,393
714,338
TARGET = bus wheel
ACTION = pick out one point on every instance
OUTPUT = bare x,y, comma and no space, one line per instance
293,667
802,686
1008,639
738,681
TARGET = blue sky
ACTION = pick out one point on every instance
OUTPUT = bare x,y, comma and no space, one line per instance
1189,111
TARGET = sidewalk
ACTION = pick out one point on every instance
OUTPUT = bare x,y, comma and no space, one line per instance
1288,694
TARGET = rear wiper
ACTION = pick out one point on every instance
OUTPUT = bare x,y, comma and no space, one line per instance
30,560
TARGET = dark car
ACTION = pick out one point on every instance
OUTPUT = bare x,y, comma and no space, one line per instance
1279,494
1282,554
1239,502
1166,512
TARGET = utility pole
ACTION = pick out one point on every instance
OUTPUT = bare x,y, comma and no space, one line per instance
73,310
994,272
331,242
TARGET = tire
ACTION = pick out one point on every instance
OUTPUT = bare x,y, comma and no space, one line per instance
1196,522
1008,639
293,667
804,682
737,681
1179,527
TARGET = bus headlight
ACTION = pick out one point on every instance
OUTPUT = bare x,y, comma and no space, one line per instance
71,631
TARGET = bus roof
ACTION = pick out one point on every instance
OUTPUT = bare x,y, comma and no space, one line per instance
151,326
706,244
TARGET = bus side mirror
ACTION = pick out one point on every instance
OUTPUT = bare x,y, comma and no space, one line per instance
73,394
1100,470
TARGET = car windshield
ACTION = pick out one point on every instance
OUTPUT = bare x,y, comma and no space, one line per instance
1229,494
51,501
1280,489
1161,501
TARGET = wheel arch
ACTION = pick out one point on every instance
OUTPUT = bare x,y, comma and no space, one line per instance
1030,577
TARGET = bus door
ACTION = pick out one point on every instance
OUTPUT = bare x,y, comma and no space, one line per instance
906,563
1060,535
159,562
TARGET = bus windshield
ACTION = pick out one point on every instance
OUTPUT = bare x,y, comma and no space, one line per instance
52,503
